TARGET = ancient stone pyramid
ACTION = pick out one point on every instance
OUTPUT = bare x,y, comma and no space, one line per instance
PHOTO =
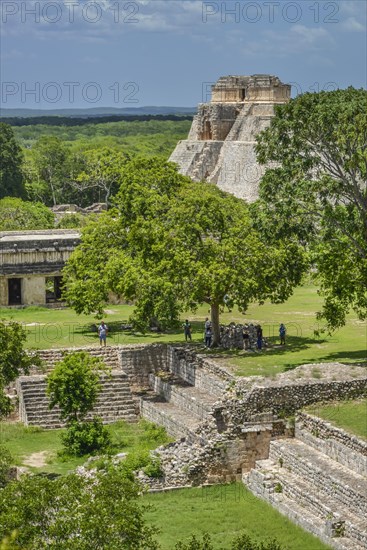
221,144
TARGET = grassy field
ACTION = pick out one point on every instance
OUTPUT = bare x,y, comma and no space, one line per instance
31,445
349,415
223,511
49,328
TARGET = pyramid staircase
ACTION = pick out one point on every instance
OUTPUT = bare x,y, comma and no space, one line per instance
313,489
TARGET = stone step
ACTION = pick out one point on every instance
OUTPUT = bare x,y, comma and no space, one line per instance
314,500
118,393
332,478
35,413
56,424
186,397
262,484
334,442
177,422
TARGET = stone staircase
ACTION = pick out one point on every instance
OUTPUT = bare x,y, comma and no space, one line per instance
115,401
314,490
182,399
109,355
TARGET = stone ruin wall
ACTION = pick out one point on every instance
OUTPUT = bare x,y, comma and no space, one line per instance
245,427
221,144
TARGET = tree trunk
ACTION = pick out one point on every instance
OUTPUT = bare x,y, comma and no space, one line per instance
214,317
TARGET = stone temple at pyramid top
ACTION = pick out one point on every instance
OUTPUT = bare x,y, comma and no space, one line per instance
220,147
255,88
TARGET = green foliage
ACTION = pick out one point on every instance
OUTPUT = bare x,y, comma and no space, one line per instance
47,169
19,215
100,174
5,462
11,158
43,512
82,438
170,245
317,194
14,360
195,544
74,385
73,221
242,542
144,460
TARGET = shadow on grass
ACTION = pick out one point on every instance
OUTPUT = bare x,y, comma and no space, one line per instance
294,344
358,356
118,334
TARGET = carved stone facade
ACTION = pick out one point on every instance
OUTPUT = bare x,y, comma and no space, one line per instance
220,146
31,264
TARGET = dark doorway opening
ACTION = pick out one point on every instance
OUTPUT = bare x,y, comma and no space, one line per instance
243,95
15,292
53,289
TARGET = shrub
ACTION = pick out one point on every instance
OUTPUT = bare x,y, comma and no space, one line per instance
143,460
82,438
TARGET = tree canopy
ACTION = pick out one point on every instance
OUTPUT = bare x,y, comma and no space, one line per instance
73,510
317,191
171,244
19,215
14,360
11,158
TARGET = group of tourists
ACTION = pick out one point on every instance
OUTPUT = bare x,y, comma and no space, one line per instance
252,335
208,332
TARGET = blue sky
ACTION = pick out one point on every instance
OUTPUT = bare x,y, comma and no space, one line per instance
117,53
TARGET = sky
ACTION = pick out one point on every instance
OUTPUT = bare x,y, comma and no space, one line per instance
116,53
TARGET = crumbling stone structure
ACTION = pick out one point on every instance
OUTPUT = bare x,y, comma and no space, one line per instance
31,263
231,428
221,144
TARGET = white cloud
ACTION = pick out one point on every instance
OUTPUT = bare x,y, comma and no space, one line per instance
299,39
351,24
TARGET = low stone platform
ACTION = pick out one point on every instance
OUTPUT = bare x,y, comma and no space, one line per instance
306,482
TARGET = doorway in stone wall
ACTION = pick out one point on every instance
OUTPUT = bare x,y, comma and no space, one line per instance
15,292
53,289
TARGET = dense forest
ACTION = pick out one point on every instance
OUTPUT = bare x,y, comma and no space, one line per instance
59,163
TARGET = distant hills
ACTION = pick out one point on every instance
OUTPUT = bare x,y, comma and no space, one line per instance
97,112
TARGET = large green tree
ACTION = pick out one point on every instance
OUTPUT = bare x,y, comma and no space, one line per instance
317,191
171,244
11,176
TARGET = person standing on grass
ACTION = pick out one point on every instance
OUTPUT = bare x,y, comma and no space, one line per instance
187,330
282,333
208,336
102,333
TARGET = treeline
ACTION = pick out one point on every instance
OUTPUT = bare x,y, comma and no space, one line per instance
80,121
143,137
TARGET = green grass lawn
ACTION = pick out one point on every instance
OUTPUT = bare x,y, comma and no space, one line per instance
349,415
223,511
48,328
23,442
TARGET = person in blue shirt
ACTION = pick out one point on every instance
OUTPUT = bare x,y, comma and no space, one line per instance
102,333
